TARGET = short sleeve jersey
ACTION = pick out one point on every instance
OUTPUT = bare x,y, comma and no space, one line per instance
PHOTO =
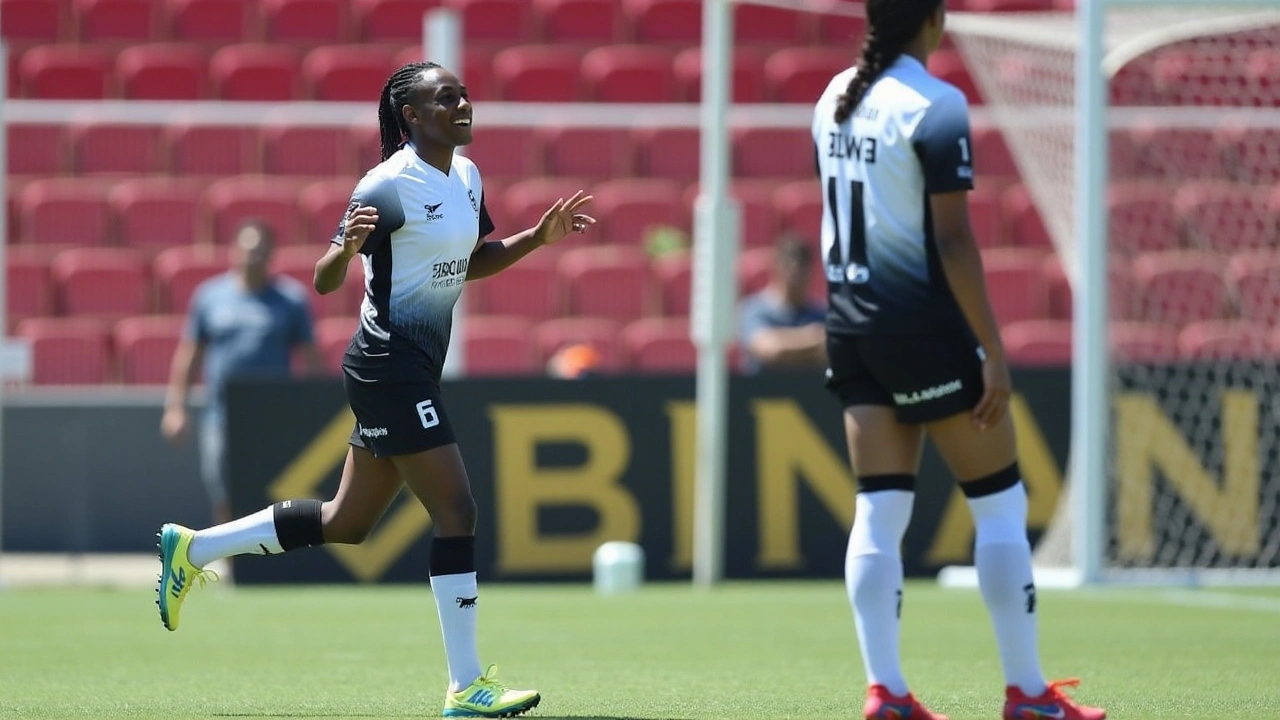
908,139
246,333
415,264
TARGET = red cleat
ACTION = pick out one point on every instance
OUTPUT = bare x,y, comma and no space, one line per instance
1053,704
884,705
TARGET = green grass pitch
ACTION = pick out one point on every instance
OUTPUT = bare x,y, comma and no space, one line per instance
747,650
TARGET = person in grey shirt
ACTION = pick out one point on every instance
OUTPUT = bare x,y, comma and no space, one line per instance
780,326
243,322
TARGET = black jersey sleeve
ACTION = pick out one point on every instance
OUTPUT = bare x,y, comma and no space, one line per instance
943,144
486,222
378,192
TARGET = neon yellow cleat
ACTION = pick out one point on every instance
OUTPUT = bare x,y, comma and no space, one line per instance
177,574
488,698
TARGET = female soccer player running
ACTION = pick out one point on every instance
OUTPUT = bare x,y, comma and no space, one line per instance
418,222
913,349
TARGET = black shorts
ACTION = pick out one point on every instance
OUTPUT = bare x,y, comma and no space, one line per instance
922,377
397,418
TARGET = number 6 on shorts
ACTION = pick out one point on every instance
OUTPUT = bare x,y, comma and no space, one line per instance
427,414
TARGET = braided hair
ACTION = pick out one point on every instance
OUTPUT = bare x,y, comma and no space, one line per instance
395,95
891,24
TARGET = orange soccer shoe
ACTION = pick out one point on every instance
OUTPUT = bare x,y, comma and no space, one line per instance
884,705
1052,704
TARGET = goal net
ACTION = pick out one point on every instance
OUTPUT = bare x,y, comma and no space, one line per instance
1188,489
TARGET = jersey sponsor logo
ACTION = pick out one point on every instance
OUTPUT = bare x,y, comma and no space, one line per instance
464,603
450,273
928,394
471,195
373,432
853,273
433,212
964,172
851,147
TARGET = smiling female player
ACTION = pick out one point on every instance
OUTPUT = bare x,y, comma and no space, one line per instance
914,350
418,222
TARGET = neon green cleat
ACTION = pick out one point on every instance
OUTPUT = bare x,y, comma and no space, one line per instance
177,574
488,698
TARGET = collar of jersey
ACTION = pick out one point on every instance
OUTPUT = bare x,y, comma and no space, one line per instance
422,164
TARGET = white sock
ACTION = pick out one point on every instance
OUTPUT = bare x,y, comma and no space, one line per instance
456,602
1003,558
250,535
873,578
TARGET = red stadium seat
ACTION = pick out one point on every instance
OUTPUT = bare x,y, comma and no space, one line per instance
32,20
668,152
597,22
748,66
65,72
155,213
178,271
35,149
1124,155
29,284
992,160
347,72
660,345
1179,152
214,150
110,148
1180,287
1008,5
134,20
212,21
950,66
323,206
1227,217
526,290
607,282
506,21
254,72
299,264
674,274
799,207
1249,154
381,20
800,75
65,211
763,24
68,351
1141,342
772,152
1142,219
1038,343
477,73
229,202
1223,340
755,268
526,201
305,21
676,22
1122,294
589,152
759,220
986,217
629,209
842,31
162,72
145,347
507,152
1015,284
1255,280
630,74
602,334
308,150
101,282
333,335
538,73
499,346
366,146
1023,221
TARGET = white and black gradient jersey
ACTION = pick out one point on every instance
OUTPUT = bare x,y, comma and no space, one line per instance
908,139
415,264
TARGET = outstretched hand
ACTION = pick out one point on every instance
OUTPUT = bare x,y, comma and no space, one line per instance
563,218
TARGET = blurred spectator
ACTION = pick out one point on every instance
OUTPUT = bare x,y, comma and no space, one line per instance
244,322
780,326
573,362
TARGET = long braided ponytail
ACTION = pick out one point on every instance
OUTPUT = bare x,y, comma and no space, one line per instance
395,95
891,24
